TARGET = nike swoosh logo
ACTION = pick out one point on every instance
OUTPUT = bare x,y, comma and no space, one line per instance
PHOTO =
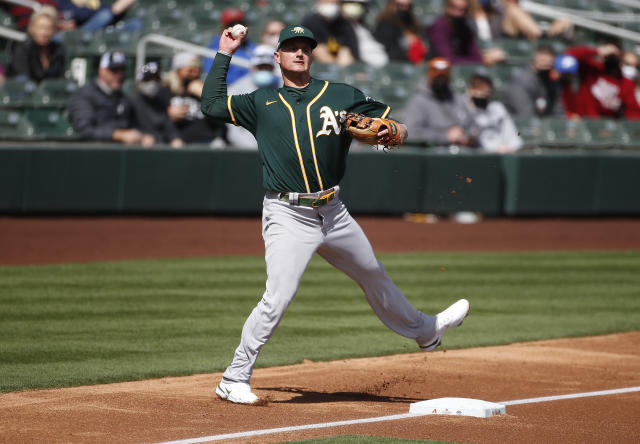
267,103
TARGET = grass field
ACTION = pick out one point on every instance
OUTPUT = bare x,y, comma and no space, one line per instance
69,325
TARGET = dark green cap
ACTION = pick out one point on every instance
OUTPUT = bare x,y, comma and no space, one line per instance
295,31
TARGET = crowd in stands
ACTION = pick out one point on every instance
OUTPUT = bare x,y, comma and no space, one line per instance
163,107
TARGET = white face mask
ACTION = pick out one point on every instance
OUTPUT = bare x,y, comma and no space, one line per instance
353,11
630,72
328,10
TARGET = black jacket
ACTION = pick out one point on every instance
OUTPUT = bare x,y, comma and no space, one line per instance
153,118
95,115
25,60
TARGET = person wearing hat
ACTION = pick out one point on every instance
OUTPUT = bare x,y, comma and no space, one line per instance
100,111
229,18
183,108
438,115
337,40
151,102
303,150
263,75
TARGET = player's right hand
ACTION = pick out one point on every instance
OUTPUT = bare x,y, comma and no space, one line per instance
230,44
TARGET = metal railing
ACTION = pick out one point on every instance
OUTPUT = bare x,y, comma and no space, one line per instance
553,13
12,34
170,42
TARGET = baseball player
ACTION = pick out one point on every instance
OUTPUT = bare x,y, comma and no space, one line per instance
303,151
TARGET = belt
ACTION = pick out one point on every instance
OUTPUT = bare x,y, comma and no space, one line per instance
313,202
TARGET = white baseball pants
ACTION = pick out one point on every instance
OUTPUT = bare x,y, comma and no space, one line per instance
292,235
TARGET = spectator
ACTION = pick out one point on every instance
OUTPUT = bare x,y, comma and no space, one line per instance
533,91
451,36
603,90
184,109
2,75
438,115
100,111
518,23
565,72
39,57
497,132
371,51
271,32
22,14
398,30
230,17
486,17
263,75
630,64
337,41
91,15
151,101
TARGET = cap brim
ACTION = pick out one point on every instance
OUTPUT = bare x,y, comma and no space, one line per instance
312,41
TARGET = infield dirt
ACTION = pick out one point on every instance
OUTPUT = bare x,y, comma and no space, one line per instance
186,407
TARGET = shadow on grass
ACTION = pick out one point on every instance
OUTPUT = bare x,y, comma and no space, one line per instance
303,396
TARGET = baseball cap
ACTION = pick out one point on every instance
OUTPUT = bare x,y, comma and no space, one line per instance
113,60
439,66
184,59
231,15
295,31
565,64
149,71
263,55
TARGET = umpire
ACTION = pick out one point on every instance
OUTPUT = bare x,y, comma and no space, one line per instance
303,149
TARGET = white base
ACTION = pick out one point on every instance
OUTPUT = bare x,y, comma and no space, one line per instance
457,406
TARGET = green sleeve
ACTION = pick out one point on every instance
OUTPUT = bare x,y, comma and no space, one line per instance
239,110
368,106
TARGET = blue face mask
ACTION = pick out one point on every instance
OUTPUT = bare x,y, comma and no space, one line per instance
263,79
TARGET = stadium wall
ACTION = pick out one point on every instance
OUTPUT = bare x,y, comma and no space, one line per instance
122,180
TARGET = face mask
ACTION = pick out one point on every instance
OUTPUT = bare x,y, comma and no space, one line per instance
263,79
480,102
353,11
458,21
440,88
543,74
404,15
149,89
271,40
611,63
630,72
328,10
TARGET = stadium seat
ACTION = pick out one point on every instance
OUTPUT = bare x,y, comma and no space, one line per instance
632,130
564,133
55,92
14,125
606,133
529,129
16,92
50,124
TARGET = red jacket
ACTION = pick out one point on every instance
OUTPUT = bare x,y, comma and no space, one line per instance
599,94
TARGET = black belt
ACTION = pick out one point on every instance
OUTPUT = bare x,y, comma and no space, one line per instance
310,201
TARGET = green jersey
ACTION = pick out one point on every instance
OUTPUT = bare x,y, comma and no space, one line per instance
300,139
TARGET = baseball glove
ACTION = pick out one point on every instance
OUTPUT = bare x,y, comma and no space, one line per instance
365,129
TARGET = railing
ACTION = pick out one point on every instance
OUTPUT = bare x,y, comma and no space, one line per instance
12,34
553,13
26,3
170,42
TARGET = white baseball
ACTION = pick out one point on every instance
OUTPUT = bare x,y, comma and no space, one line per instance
238,30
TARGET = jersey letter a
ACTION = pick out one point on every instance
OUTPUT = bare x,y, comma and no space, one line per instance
329,122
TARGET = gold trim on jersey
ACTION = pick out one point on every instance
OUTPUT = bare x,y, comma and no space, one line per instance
295,140
233,118
313,145
385,113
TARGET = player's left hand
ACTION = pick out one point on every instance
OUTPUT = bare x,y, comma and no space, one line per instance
383,136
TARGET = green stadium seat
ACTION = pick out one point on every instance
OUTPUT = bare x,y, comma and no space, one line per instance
564,133
529,129
18,93
50,124
55,92
606,133
14,125
632,130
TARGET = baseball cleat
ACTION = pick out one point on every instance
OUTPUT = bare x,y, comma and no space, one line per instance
237,392
450,318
